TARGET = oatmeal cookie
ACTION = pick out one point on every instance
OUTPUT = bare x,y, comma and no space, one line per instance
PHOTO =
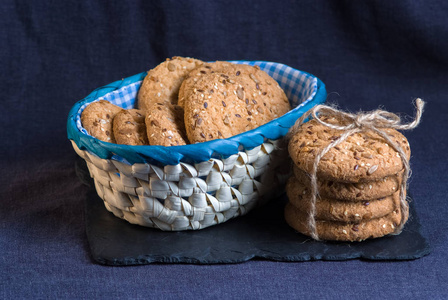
340,210
342,231
364,156
192,77
368,190
129,127
165,125
162,83
230,101
97,119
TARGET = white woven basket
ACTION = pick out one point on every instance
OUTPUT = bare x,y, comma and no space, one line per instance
170,188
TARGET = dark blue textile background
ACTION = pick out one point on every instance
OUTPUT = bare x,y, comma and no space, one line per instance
53,53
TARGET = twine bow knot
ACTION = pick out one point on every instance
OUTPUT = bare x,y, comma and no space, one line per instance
376,121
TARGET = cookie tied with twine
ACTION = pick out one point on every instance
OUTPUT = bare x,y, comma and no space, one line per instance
376,149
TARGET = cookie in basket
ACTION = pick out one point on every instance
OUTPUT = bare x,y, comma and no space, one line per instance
129,127
363,156
230,101
271,96
165,125
368,190
97,119
162,83
192,77
340,210
343,231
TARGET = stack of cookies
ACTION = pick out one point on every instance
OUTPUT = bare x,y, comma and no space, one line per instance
358,183
184,100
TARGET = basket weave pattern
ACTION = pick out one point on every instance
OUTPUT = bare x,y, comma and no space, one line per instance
185,196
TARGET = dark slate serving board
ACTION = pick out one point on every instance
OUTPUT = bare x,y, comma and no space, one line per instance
261,234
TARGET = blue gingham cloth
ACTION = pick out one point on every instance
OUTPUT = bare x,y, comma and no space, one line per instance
302,89
124,97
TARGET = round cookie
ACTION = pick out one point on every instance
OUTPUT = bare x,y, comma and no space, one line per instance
192,77
340,210
340,231
165,125
129,127
364,156
97,119
230,101
275,102
162,83
368,190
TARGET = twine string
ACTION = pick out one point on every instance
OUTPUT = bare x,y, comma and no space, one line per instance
376,121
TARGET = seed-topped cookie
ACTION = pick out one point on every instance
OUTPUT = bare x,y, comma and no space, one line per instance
192,77
340,210
162,83
165,125
360,191
230,101
363,156
354,150
272,101
129,127
97,119
342,231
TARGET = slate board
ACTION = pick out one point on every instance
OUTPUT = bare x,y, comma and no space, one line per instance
261,234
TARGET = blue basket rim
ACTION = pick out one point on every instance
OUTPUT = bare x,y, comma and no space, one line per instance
191,153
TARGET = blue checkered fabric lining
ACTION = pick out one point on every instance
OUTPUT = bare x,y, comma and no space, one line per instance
298,86
123,97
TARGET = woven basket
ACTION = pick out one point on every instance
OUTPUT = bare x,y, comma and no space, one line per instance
194,186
